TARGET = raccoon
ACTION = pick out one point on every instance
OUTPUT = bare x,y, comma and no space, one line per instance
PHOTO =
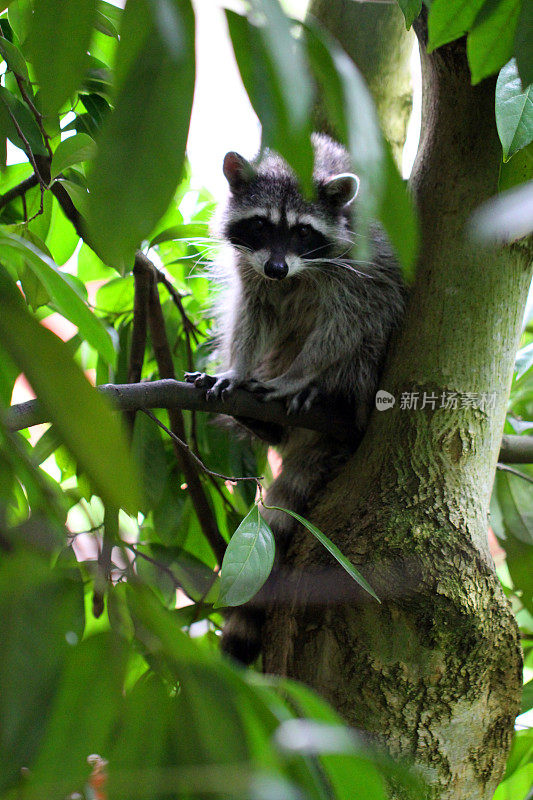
299,320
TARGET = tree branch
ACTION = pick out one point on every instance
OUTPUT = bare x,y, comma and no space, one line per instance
19,190
199,498
175,394
143,281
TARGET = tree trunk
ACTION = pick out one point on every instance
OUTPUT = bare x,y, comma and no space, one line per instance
434,672
375,35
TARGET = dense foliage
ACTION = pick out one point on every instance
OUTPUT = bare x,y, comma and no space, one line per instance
110,532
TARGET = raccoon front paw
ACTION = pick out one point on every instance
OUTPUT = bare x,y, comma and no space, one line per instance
200,379
256,387
303,400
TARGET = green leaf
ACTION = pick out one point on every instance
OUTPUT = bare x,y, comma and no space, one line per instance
148,449
72,151
65,298
352,112
514,111
158,85
11,106
519,169
490,42
450,19
524,360
527,697
410,9
514,498
19,16
523,43
57,42
80,722
14,58
398,217
248,560
276,78
41,615
105,26
62,239
333,549
88,426
77,193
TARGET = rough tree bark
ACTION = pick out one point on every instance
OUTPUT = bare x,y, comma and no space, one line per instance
434,672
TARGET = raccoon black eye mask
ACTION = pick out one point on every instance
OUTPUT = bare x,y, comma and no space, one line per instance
260,233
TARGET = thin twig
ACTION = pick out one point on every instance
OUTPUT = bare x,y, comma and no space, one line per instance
200,500
506,468
27,148
164,568
31,105
35,111
195,458
158,564
41,207
190,331
178,301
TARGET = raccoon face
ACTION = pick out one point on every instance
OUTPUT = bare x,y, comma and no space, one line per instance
274,229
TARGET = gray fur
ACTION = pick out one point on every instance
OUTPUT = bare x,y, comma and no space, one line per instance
320,331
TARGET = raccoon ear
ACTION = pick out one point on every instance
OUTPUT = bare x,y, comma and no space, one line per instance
341,190
237,171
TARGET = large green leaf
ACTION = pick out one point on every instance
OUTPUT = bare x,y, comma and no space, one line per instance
41,617
514,498
490,42
64,296
83,418
333,549
62,238
518,777
523,43
140,157
58,40
527,697
450,19
524,360
247,561
398,218
148,449
83,715
353,115
514,111
276,78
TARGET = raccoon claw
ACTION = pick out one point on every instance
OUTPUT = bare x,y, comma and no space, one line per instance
200,379
302,401
220,389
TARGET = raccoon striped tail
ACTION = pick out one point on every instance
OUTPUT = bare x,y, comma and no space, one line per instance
242,635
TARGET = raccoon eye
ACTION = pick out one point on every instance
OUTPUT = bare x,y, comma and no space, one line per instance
258,223
303,231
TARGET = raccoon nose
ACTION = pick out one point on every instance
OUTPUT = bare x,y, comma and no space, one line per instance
276,268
